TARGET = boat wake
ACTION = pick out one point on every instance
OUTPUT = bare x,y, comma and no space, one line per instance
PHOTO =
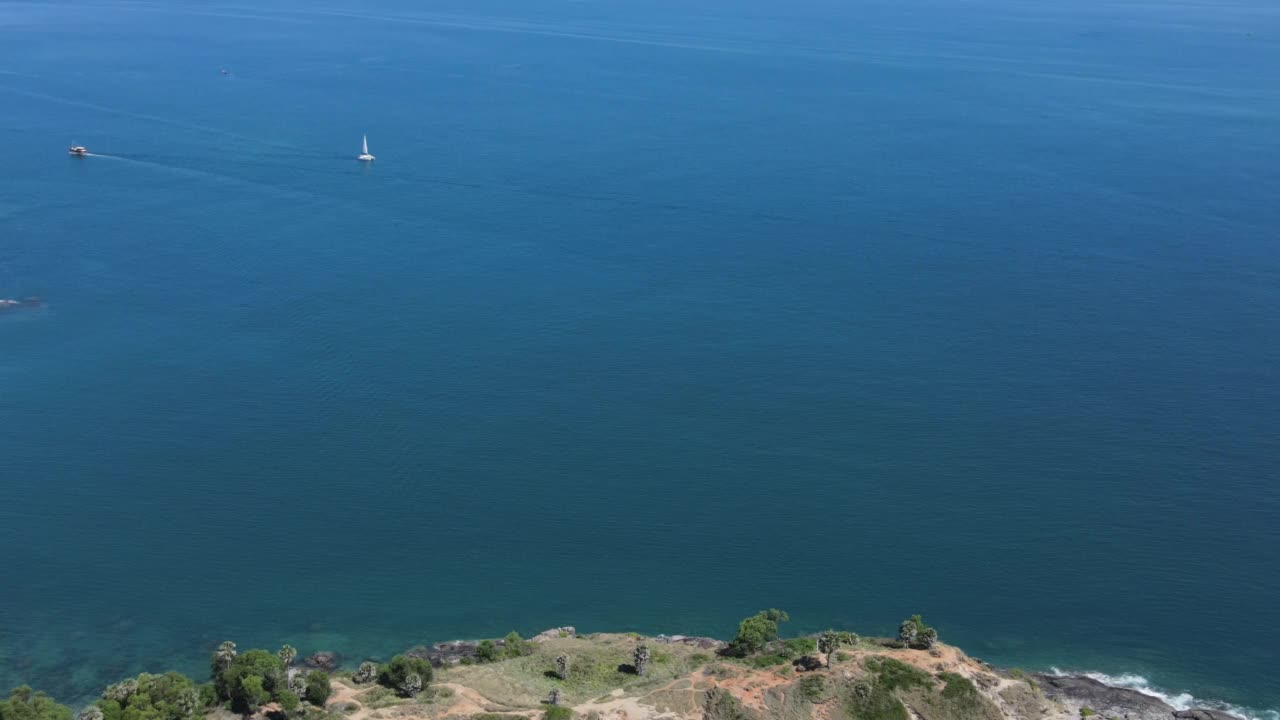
1178,700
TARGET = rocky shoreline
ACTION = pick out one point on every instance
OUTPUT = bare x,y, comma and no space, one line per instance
1108,701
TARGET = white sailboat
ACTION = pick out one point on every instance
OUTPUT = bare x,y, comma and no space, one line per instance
364,150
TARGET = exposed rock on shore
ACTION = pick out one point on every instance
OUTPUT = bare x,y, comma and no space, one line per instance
1105,700
1077,692
705,643
567,631
1202,714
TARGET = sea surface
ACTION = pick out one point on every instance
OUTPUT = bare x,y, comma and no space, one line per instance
649,314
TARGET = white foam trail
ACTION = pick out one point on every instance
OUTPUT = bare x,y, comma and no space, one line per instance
1179,701
205,174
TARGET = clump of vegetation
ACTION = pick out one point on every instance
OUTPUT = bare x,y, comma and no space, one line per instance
92,712
296,682
959,690
514,646
249,680
405,675
317,689
757,631
1087,712
511,646
719,704
914,633
151,697
487,651
380,697
764,662
795,647
557,712
897,675
366,673
874,701
830,640
812,687
27,704
1019,674
640,660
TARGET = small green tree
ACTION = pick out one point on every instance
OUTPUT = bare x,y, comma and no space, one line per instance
914,633
27,704
287,654
640,660
366,673
406,675
487,651
318,688
254,677
757,631
562,667
828,642
514,646
250,694
289,701
909,631
928,638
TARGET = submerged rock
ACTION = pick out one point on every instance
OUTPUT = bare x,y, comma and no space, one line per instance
323,660
454,652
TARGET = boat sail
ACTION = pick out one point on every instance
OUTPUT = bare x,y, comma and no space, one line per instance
364,150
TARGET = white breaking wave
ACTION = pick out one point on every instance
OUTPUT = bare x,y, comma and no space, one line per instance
1179,701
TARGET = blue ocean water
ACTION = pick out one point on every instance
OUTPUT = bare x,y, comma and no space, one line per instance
649,314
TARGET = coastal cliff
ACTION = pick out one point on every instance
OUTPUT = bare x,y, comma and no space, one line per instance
562,675
688,679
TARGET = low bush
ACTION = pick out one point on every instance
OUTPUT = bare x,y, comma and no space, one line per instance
318,689
812,688
557,712
487,651
405,675
27,704
152,697
874,701
721,705
897,675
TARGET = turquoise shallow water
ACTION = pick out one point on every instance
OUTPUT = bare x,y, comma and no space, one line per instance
649,315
